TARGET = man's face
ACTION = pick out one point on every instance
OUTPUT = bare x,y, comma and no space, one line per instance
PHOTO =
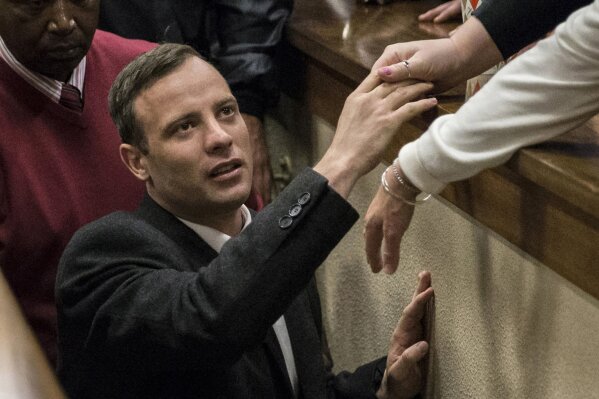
199,156
49,36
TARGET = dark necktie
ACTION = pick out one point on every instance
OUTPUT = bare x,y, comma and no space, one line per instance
70,97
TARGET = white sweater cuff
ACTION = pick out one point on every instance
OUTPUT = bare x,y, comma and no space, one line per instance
412,167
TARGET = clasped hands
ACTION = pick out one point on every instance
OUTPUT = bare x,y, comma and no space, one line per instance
444,62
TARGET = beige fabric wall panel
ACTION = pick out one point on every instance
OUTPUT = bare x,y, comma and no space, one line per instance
506,326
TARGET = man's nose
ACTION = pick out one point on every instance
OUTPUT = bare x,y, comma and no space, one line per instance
61,21
217,139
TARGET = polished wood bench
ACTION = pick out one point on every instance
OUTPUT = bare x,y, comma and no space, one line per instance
545,199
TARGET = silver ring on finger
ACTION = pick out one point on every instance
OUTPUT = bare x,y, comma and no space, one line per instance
407,65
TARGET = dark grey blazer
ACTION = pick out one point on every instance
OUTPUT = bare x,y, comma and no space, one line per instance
146,309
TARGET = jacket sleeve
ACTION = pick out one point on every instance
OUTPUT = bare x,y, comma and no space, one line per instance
547,91
361,384
513,24
122,291
244,49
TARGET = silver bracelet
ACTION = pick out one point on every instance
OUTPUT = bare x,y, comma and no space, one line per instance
397,196
401,180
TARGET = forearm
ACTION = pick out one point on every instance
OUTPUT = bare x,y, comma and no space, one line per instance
475,49
516,108
339,174
513,24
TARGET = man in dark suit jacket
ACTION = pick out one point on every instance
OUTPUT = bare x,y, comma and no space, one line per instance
185,298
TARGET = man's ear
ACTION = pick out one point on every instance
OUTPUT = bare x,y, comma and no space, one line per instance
135,161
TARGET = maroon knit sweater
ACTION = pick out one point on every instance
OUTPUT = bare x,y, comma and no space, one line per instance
58,171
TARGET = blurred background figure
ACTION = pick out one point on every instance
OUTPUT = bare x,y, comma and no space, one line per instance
58,165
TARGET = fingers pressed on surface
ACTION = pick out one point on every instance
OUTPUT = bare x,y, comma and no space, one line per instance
452,11
444,16
442,13
414,312
424,281
433,13
408,359
422,298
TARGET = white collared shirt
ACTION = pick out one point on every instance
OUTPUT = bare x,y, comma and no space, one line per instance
216,239
51,88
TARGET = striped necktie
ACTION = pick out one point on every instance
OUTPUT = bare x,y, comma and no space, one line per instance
70,97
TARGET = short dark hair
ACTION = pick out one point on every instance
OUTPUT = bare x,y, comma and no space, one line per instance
137,76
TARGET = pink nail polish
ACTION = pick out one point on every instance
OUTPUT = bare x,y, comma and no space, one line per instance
387,71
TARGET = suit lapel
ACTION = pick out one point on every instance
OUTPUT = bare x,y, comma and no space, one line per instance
271,343
307,350
199,252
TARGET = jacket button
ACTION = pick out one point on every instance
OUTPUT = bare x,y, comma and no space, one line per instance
295,210
304,198
285,222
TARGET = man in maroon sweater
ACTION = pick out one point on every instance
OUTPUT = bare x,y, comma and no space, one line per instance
59,164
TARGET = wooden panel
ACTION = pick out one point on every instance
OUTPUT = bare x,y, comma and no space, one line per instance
348,36
567,165
542,224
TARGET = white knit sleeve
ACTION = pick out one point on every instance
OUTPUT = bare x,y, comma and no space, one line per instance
545,92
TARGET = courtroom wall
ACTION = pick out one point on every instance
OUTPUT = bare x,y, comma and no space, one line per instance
506,326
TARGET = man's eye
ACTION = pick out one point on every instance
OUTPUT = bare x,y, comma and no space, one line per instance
226,111
184,127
